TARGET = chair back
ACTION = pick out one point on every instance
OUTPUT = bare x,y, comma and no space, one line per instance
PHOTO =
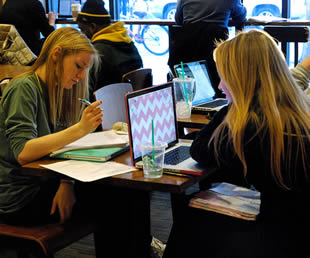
286,34
113,103
7,72
139,78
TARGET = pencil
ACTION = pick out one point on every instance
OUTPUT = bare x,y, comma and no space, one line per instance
84,101
175,174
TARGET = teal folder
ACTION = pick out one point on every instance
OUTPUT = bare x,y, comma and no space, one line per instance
98,155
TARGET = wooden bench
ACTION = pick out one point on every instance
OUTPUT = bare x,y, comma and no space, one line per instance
44,240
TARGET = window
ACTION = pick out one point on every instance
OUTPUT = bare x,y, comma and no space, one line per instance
293,9
152,41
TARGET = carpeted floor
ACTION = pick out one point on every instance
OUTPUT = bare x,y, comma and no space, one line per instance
161,224
161,216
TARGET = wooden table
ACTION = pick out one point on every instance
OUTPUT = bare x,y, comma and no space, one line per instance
197,121
135,180
176,185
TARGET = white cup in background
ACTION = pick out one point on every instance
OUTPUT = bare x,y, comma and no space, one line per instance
76,8
184,93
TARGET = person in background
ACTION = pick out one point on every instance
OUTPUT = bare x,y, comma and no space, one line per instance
301,73
218,13
29,18
201,23
260,140
34,109
117,51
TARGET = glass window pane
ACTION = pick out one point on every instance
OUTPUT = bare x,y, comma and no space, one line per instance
299,10
152,41
152,44
263,7
146,9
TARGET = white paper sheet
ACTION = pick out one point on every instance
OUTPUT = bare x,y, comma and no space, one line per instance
86,171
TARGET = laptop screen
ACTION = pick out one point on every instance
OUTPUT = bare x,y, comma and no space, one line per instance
64,7
198,70
154,103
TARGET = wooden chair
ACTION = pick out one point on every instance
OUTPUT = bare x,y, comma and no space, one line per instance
44,240
139,78
113,103
7,72
286,34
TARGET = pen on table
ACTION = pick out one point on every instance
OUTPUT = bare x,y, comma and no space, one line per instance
85,101
175,174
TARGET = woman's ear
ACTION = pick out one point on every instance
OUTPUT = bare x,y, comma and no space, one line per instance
56,52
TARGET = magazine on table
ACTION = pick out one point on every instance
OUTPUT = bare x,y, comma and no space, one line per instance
230,200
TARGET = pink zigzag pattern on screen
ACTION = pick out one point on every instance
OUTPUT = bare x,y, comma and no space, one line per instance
162,131
141,126
144,109
145,101
162,135
142,119
151,115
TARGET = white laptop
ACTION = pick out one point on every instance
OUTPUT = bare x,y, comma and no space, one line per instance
204,95
157,104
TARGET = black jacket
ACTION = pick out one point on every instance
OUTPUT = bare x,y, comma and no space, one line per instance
280,230
28,16
117,58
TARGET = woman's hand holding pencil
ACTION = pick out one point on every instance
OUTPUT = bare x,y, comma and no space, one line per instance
91,116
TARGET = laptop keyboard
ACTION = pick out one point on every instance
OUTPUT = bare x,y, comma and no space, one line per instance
177,155
215,103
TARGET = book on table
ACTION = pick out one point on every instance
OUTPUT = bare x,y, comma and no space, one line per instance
98,146
97,154
228,199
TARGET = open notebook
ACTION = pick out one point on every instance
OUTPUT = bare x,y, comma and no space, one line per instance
204,99
157,104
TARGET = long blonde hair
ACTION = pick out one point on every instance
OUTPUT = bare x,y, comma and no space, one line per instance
265,94
64,104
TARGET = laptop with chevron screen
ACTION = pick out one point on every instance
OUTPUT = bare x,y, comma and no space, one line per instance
157,103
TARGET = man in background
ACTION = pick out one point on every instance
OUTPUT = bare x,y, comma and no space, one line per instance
200,24
118,53
29,18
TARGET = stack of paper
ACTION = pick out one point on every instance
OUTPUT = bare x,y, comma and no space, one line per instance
230,200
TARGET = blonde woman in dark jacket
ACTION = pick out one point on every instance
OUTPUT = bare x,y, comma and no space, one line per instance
262,139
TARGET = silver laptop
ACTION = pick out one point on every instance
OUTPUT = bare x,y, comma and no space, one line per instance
204,94
157,104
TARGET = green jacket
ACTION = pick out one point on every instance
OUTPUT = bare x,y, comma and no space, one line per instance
24,115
